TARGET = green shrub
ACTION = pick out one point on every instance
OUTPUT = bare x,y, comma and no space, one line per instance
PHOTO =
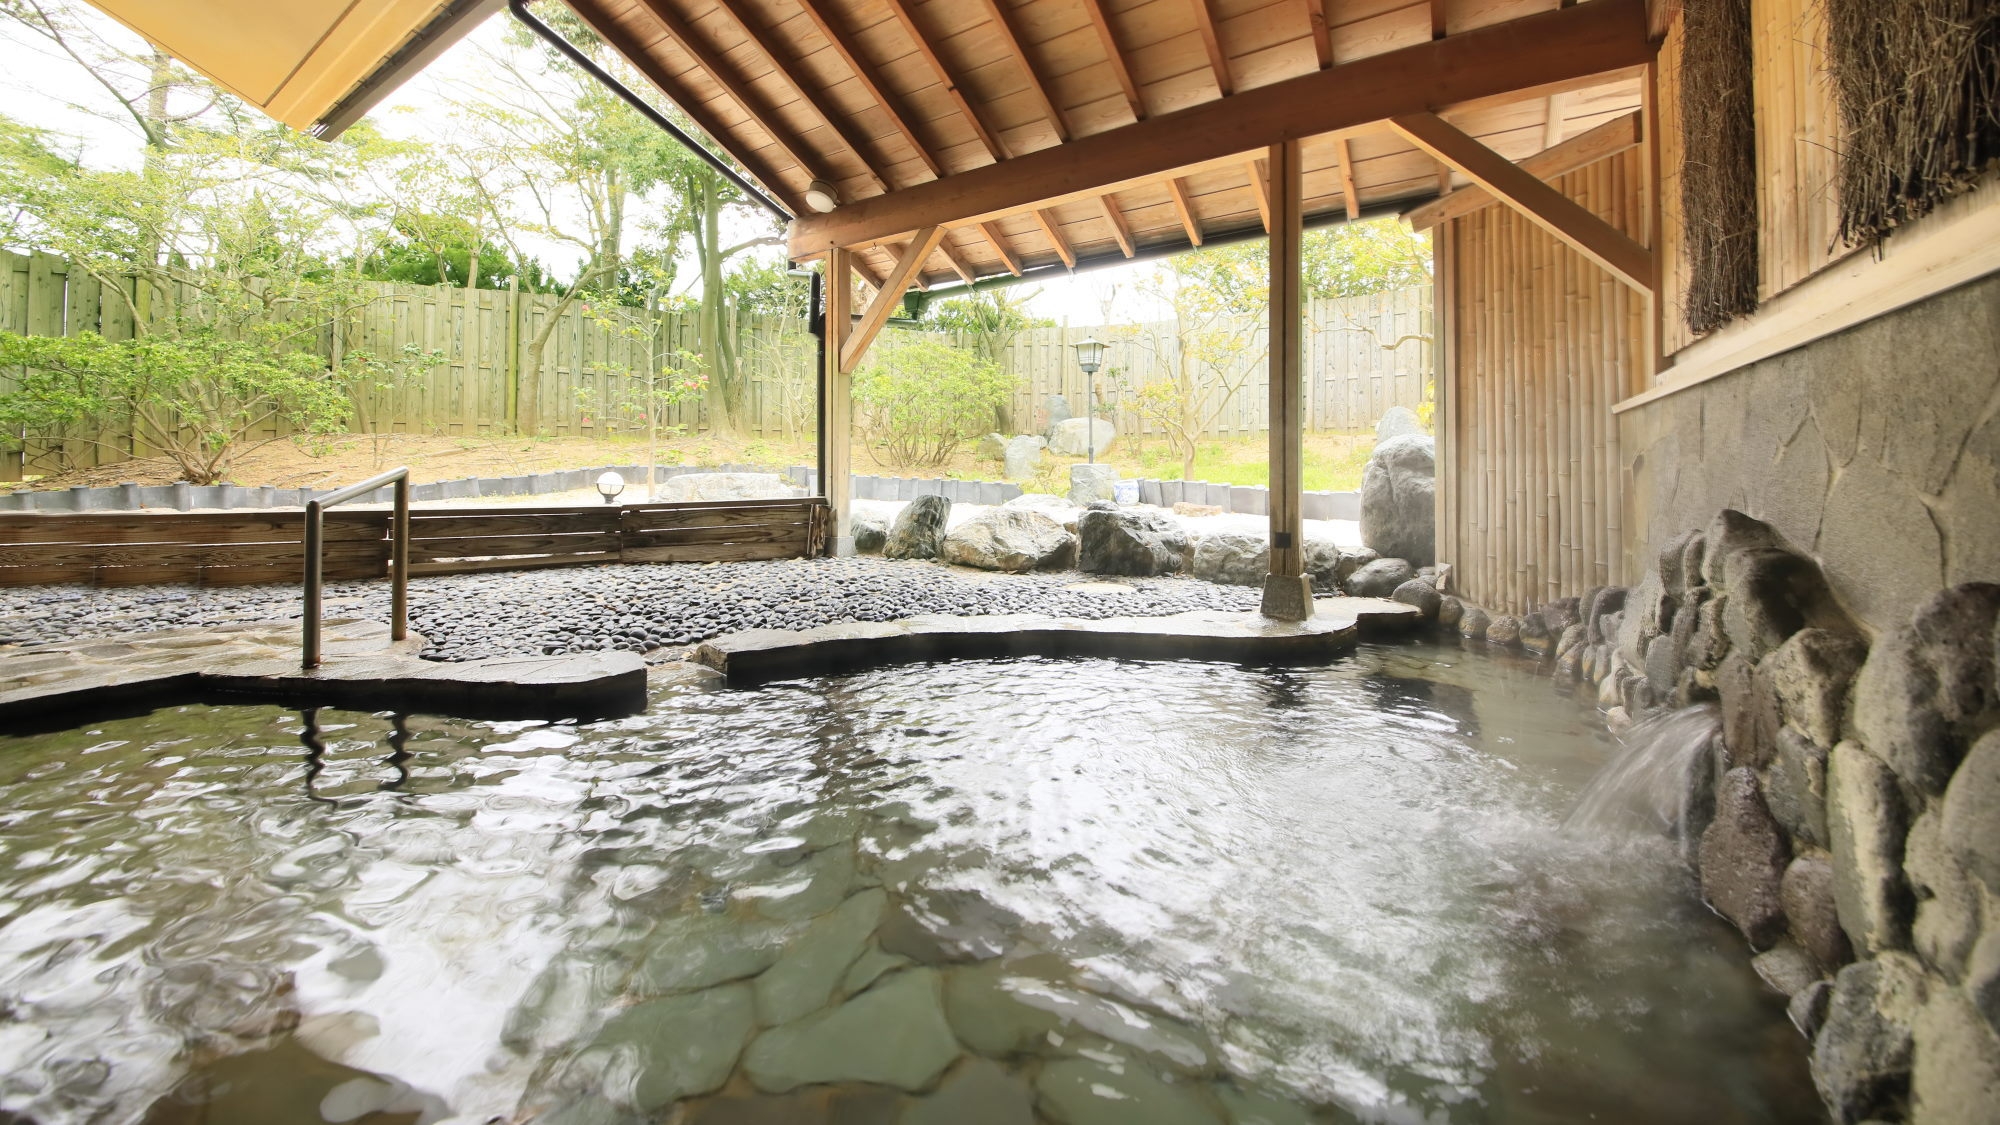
920,399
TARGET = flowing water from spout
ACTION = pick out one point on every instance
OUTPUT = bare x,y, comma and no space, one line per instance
1107,891
1652,783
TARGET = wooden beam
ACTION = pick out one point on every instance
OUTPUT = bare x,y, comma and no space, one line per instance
1053,228
1282,590
1190,222
908,21
1116,57
1322,39
888,297
1010,36
1541,204
1444,178
1437,19
1608,139
1552,120
1000,247
754,104
1262,191
1119,231
849,51
1660,15
836,422
1348,191
917,281
1218,62
719,135
1568,44
958,264
789,69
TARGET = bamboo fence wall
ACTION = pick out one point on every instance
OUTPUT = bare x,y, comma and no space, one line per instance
1364,355
1543,342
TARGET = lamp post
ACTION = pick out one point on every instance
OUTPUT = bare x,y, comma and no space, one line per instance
1089,356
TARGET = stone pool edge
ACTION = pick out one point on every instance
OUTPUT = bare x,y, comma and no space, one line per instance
1246,637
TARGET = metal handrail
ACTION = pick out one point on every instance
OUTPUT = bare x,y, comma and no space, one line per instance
399,557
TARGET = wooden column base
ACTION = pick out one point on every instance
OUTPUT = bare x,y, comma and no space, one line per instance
1287,597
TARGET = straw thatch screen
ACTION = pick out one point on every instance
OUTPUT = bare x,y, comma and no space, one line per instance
1719,162
1918,84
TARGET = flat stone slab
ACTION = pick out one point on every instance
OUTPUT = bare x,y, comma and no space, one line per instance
763,654
361,669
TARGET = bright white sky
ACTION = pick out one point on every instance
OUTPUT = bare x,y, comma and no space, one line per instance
44,88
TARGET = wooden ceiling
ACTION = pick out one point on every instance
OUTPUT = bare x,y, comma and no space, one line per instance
1132,104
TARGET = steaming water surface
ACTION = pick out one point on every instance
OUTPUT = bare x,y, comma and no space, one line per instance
1149,892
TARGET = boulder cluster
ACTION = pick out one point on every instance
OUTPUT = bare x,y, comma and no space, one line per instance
1846,815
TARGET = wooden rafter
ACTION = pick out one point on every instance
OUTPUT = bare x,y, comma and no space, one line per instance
1115,55
760,110
1010,35
1190,222
1348,191
1204,23
958,263
1589,147
1261,188
907,20
1534,52
623,42
1116,218
1322,38
849,51
888,295
1540,203
789,69
1437,19
1053,229
999,243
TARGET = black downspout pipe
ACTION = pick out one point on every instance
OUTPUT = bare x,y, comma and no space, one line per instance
550,36
816,324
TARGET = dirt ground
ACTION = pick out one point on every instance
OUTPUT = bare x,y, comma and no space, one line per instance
1332,460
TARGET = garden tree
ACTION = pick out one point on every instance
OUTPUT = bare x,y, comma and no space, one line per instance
920,398
662,378
1210,357
988,319
761,289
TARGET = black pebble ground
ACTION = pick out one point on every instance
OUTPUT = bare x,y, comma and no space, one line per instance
657,609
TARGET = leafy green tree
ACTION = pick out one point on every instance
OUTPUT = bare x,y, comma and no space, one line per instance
201,397
920,398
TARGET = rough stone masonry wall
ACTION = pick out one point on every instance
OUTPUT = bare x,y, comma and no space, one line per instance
1875,450
1845,817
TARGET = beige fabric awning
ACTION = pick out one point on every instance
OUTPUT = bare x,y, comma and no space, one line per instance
312,64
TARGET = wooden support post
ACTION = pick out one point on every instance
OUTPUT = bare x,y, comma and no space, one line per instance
836,417
1287,590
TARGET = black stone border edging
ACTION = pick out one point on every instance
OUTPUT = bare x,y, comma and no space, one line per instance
1241,499
759,655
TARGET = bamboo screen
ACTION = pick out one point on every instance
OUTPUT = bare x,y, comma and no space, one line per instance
1543,343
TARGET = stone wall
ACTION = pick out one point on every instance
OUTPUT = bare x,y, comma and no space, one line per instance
1876,451
1846,815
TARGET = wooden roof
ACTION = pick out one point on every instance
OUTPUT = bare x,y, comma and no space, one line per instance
1066,131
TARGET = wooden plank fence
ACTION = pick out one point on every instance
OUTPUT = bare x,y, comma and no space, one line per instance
1364,354
243,548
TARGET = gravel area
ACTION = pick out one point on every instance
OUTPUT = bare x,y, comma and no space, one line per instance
659,609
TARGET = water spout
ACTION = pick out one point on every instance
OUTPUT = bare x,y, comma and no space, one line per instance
1659,782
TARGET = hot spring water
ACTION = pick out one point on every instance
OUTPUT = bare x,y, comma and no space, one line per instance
1074,891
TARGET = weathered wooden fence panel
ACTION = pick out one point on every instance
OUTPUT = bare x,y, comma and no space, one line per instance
1364,354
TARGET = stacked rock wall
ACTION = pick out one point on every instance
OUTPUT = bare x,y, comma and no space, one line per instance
1847,819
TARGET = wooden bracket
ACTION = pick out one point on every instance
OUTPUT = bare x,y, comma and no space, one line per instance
888,296
1608,139
1541,204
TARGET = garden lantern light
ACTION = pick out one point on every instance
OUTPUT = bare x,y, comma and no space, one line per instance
1090,357
609,486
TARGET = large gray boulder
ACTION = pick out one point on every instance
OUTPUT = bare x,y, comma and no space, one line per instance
1743,858
1055,507
918,532
1058,411
1093,482
1072,437
1130,542
1233,559
1020,457
1012,540
689,487
870,533
1379,579
1397,421
1929,687
1398,494
992,447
